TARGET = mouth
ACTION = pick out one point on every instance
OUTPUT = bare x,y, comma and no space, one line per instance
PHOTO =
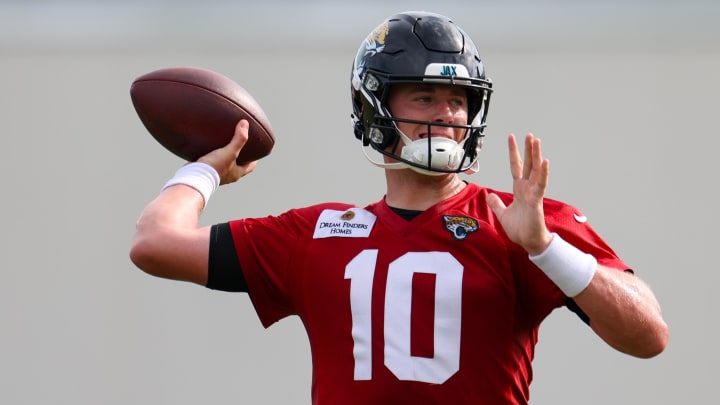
435,135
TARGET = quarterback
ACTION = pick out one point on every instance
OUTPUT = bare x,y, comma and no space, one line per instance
433,294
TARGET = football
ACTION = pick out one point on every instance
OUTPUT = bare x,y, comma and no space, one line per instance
192,111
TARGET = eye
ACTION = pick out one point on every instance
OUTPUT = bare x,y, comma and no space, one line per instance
458,102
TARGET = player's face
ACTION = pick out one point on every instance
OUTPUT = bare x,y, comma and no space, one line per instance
433,103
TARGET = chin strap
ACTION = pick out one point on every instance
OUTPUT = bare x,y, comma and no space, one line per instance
474,168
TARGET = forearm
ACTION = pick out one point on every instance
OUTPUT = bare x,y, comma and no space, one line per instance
167,242
624,312
178,206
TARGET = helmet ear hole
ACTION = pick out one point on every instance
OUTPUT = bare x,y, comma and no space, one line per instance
359,130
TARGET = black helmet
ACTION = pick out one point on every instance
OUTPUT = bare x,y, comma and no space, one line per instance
418,47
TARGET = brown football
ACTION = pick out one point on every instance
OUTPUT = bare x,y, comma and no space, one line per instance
192,111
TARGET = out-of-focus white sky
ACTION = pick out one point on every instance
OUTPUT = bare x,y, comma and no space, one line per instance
324,23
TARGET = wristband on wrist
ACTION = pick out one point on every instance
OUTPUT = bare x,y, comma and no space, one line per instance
568,267
200,176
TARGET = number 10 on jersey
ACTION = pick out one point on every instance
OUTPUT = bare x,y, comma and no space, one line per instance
398,299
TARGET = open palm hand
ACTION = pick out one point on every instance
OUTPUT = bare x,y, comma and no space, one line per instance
523,220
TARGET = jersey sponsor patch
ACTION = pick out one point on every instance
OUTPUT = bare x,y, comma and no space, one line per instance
351,223
459,226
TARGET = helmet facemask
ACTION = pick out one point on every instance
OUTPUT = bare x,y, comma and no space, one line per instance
431,155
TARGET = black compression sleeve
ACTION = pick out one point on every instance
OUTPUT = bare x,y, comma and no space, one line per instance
224,272
576,308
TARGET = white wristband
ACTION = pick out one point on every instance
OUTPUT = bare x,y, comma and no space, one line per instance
568,267
200,176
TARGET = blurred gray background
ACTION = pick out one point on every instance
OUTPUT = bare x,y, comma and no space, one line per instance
624,95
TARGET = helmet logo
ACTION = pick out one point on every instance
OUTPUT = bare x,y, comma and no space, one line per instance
378,35
372,45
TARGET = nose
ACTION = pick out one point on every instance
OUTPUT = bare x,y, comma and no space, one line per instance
444,112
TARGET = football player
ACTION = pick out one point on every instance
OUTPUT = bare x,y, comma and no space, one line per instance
434,293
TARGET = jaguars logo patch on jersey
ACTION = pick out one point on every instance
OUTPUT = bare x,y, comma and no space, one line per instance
460,227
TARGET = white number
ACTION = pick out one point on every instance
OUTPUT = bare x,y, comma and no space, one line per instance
398,299
361,271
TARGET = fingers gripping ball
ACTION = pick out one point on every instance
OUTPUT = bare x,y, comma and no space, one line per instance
192,111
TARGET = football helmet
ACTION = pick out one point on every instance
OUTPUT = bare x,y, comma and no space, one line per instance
418,48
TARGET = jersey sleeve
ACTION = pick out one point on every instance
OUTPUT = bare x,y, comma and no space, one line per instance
537,294
569,222
268,250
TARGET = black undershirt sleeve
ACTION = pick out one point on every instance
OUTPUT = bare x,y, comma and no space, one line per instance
571,305
224,271
574,307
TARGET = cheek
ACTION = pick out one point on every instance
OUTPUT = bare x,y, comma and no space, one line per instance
400,111
460,134
461,118
408,114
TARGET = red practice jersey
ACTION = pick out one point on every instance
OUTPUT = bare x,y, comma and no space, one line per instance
443,309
